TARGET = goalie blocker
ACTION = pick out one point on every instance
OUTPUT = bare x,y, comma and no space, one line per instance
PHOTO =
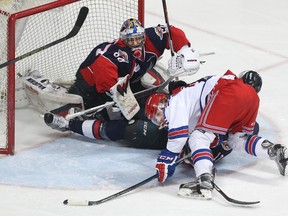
123,97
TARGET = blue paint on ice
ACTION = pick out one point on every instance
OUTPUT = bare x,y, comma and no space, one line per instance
77,163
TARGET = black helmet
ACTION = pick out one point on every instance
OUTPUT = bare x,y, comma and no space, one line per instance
252,78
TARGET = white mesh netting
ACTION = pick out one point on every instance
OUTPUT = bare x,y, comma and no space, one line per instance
59,62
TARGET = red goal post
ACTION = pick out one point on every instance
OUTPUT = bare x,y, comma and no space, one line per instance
27,25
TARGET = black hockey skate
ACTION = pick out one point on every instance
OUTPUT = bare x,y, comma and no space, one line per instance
56,122
201,188
279,154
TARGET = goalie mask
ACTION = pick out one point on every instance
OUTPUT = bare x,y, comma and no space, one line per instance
154,108
132,34
252,78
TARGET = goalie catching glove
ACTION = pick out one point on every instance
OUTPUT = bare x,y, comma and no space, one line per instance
184,62
124,98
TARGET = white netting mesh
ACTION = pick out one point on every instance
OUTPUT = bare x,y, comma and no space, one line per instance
59,62
8,7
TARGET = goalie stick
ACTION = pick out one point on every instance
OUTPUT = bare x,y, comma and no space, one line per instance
78,24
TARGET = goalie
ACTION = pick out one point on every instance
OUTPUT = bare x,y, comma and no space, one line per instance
115,68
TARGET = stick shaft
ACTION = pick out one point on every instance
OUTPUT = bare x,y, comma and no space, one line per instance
168,26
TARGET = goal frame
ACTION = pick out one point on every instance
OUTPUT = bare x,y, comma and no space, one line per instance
11,74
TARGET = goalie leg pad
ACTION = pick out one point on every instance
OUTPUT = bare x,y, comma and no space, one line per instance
46,96
155,76
21,98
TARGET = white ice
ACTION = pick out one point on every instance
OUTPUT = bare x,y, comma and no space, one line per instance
49,167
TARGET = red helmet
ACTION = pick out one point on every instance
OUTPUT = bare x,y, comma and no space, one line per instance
154,103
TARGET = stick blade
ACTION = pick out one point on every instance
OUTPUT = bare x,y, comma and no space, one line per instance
72,202
79,22
231,200
82,16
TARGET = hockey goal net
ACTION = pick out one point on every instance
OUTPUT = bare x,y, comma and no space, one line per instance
27,25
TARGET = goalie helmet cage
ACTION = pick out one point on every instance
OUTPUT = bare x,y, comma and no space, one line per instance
28,25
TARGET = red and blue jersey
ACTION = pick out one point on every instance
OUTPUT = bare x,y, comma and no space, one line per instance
216,104
111,60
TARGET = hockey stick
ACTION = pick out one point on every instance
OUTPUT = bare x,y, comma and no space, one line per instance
89,203
168,26
229,199
78,24
72,202
93,109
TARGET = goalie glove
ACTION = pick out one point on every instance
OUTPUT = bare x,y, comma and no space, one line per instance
124,98
185,62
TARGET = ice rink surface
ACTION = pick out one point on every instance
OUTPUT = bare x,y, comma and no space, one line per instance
50,166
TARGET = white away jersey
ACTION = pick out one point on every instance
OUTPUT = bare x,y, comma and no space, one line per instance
184,109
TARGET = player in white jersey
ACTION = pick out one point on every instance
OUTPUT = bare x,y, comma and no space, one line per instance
201,111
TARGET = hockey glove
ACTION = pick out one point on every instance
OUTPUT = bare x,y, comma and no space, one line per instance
185,62
166,164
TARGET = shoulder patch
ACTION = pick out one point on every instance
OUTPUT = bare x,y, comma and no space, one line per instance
160,30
